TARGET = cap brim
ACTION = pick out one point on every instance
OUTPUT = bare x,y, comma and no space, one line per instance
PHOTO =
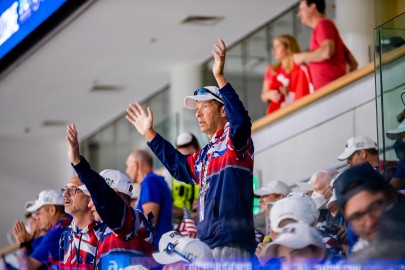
304,186
190,102
261,192
270,249
34,207
345,155
393,135
164,258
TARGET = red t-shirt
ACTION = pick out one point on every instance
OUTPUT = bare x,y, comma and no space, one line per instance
329,70
298,81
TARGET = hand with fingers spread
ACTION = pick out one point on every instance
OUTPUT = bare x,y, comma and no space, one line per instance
20,233
142,121
219,63
74,151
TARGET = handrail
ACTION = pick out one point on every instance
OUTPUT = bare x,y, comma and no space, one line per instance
324,91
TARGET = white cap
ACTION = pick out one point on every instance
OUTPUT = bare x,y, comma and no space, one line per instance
190,102
304,186
273,187
45,197
357,143
296,236
116,180
297,207
395,134
135,192
185,249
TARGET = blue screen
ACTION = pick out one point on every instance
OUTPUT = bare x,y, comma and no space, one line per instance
18,18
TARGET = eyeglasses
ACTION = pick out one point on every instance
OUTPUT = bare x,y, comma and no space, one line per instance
204,91
71,191
349,159
374,209
189,257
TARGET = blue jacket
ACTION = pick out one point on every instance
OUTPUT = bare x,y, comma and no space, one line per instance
224,169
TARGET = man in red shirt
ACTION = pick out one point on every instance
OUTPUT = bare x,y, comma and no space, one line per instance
328,58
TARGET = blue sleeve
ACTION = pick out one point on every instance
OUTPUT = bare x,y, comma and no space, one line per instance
150,191
108,203
238,118
48,247
400,172
173,160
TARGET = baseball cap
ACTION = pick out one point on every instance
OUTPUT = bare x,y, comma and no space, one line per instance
304,186
296,236
205,93
116,180
184,139
357,143
296,207
45,197
273,187
356,179
395,134
173,247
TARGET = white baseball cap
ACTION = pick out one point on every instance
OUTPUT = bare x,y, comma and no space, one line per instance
116,180
304,186
173,247
205,93
357,143
273,187
297,207
296,236
395,134
45,197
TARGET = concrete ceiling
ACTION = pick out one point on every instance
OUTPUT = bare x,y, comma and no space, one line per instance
129,43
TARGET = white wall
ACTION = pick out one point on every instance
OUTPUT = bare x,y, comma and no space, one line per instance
28,166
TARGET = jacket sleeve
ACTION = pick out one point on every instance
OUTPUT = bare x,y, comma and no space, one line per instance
176,163
110,206
238,118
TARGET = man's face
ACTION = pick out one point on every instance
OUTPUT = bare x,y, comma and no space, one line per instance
43,218
269,198
356,158
304,12
131,169
75,199
288,255
363,212
94,211
210,118
323,189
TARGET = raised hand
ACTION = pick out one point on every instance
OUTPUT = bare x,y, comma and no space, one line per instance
74,151
20,233
142,121
219,62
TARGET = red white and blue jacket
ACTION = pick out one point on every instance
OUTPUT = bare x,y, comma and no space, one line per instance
125,237
224,170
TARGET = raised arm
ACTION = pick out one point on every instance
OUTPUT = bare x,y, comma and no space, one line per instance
111,208
237,115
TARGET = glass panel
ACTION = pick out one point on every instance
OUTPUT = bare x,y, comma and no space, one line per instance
389,40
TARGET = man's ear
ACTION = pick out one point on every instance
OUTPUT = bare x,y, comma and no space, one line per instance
52,210
223,113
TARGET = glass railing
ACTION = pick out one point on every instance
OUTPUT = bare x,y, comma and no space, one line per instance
389,40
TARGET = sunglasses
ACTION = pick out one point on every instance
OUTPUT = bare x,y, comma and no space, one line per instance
205,91
170,249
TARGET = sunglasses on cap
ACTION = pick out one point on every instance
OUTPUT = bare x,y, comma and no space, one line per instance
170,249
205,91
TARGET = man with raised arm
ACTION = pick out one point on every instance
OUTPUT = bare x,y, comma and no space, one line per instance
223,168
125,237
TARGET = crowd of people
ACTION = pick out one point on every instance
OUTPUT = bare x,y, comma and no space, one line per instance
199,214
296,73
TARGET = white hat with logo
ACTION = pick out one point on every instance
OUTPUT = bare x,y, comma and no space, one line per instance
45,197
